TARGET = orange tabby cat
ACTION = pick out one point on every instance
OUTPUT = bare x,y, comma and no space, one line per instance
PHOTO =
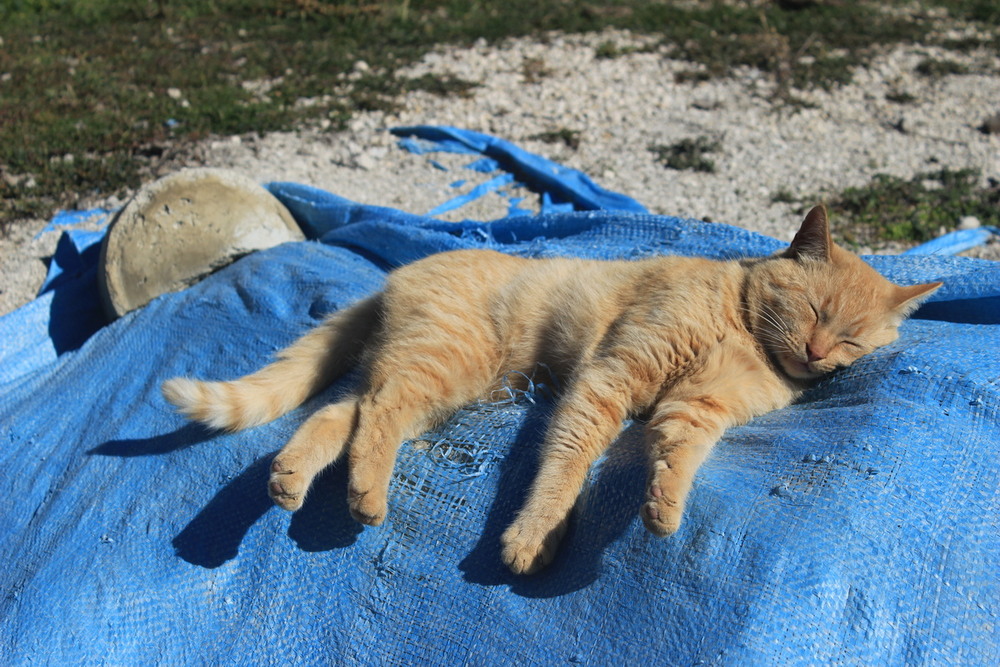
694,345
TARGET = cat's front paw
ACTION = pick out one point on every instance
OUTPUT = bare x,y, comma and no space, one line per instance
528,548
288,483
661,513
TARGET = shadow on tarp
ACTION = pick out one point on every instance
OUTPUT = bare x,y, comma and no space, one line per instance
75,313
186,436
216,532
324,522
607,506
984,310
214,536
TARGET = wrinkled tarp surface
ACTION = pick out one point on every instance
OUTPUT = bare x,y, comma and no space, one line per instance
858,526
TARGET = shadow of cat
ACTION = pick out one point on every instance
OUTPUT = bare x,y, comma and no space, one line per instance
616,487
186,436
216,532
324,522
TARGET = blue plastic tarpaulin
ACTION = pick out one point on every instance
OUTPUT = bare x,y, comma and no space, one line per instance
858,526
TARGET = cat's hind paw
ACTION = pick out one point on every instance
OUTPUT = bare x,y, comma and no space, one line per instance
527,549
661,514
287,486
367,507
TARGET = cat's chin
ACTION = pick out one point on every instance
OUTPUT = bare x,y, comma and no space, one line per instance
799,370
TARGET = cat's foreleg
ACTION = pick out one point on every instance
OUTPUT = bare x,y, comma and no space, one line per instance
681,434
587,420
319,442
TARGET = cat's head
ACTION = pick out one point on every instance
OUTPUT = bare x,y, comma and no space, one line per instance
816,307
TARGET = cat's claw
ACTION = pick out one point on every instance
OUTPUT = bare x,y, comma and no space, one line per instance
282,498
527,550
287,487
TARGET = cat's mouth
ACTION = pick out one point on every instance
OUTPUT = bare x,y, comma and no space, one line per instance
799,370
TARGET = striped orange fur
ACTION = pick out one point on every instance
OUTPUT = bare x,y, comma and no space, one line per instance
695,345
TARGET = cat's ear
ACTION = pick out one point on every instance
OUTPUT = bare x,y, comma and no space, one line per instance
905,300
813,238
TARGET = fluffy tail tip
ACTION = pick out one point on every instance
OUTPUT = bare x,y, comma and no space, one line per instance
194,400
183,393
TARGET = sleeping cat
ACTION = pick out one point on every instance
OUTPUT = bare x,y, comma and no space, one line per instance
693,345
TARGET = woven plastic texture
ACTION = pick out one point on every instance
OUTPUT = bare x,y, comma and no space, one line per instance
858,526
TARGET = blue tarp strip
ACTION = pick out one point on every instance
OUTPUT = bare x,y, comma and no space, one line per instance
473,194
955,242
537,172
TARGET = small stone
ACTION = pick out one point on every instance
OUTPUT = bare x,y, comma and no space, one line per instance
991,125
361,66
174,93
969,222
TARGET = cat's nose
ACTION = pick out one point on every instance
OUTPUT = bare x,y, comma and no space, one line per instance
814,352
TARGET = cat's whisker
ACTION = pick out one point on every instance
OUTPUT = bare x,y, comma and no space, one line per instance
767,314
773,317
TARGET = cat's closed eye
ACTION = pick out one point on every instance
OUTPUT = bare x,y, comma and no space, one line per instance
815,312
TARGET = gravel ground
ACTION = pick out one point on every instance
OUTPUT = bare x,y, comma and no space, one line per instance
619,107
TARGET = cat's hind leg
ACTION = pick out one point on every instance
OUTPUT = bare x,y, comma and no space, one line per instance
319,442
412,386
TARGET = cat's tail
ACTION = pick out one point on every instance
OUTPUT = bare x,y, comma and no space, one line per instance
302,369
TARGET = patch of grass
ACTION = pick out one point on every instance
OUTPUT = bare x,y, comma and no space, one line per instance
567,137
609,49
112,82
900,97
442,86
913,210
966,44
817,45
688,154
986,12
534,70
937,68
692,75
783,197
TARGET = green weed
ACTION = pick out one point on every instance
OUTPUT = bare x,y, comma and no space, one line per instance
936,68
688,154
913,210
567,137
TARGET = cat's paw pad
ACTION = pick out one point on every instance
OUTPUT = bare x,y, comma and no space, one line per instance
661,514
367,507
528,549
287,486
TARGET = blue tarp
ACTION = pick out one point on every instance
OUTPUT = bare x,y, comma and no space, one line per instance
858,526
